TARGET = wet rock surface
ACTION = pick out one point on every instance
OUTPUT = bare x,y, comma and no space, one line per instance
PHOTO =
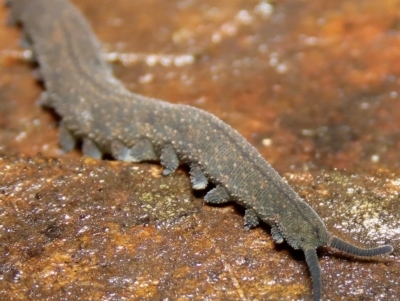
312,85
109,230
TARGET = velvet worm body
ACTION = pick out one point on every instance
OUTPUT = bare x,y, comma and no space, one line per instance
98,110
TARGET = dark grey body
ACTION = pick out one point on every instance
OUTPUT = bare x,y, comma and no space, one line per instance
96,108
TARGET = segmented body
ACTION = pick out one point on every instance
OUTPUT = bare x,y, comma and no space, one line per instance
99,110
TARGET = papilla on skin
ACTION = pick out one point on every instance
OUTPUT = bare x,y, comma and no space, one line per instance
98,110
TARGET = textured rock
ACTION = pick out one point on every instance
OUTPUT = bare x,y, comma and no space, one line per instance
312,86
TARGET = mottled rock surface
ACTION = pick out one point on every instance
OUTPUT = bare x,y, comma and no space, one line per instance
313,85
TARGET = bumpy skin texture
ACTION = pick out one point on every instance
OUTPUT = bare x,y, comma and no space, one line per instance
96,108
